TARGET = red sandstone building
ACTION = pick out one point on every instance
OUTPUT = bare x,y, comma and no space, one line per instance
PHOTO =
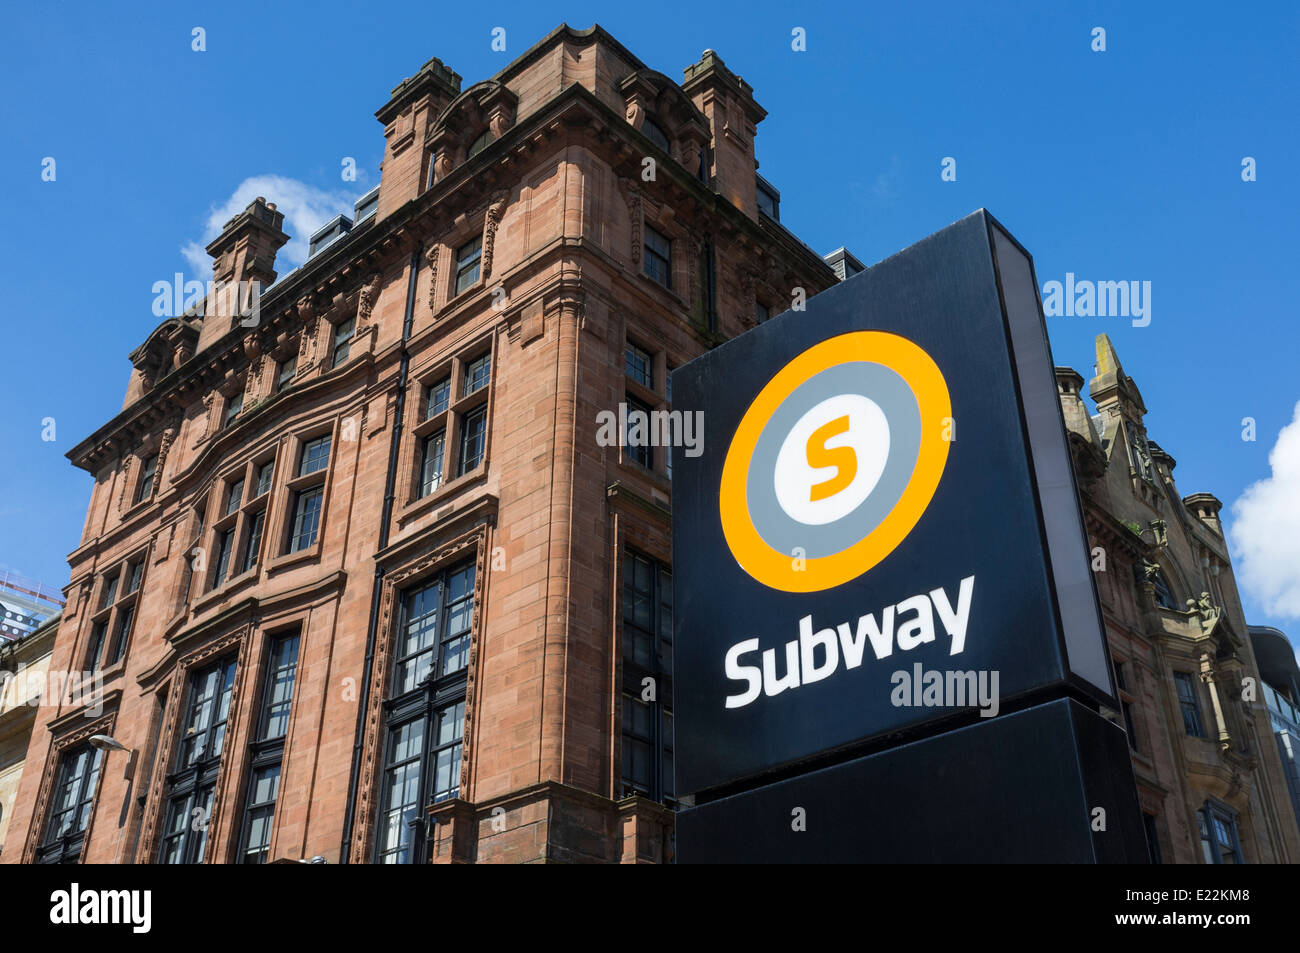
360,579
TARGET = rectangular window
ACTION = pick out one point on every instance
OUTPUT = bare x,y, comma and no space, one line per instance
125,616
285,372
198,762
315,456
438,398
264,474
468,258
233,406
267,751
647,653
658,257
477,373
70,805
134,577
473,440
639,365
225,541
1190,706
637,438
263,790
98,642
432,452
282,673
1219,841
1153,841
253,543
343,334
235,498
108,595
147,473
306,518
426,710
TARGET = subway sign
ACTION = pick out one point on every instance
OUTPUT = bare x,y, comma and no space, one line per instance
882,536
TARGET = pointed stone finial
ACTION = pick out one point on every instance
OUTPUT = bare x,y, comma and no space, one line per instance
1107,359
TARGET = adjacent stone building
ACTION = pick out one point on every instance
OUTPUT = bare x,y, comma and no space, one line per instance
361,580
24,664
1210,783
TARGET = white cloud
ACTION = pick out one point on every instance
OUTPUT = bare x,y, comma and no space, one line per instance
305,207
1266,529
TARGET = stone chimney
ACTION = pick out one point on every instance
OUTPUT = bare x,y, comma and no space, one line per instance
244,252
1205,507
727,102
408,116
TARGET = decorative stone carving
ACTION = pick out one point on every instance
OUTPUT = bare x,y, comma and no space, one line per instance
635,214
431,256
1205,608
1160,530
490,222
366,299
307,341
126,479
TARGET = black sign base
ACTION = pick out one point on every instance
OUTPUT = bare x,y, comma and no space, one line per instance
1026,787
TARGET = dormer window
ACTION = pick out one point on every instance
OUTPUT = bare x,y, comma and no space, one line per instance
481,143
656,134
769,200
233,406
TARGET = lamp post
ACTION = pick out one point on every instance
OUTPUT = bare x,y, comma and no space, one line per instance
106,744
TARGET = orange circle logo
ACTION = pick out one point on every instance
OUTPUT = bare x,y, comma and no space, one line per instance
835,461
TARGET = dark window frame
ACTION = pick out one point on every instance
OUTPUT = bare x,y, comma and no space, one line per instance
63,844
657,261
1189,702
647,653
266,750
196,762
429,699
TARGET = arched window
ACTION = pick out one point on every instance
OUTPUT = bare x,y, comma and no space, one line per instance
1164,592
481,143
657,135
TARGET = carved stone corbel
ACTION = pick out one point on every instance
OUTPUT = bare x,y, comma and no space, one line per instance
635,214
431,257
490,222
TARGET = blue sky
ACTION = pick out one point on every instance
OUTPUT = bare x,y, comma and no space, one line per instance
1115,165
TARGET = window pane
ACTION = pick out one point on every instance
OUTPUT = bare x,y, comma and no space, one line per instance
253,545
438,398
306,519
288,368
315,456
264,474
477,373
343,333
639,365
433,451
472,440
282,674
135,575
468,258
